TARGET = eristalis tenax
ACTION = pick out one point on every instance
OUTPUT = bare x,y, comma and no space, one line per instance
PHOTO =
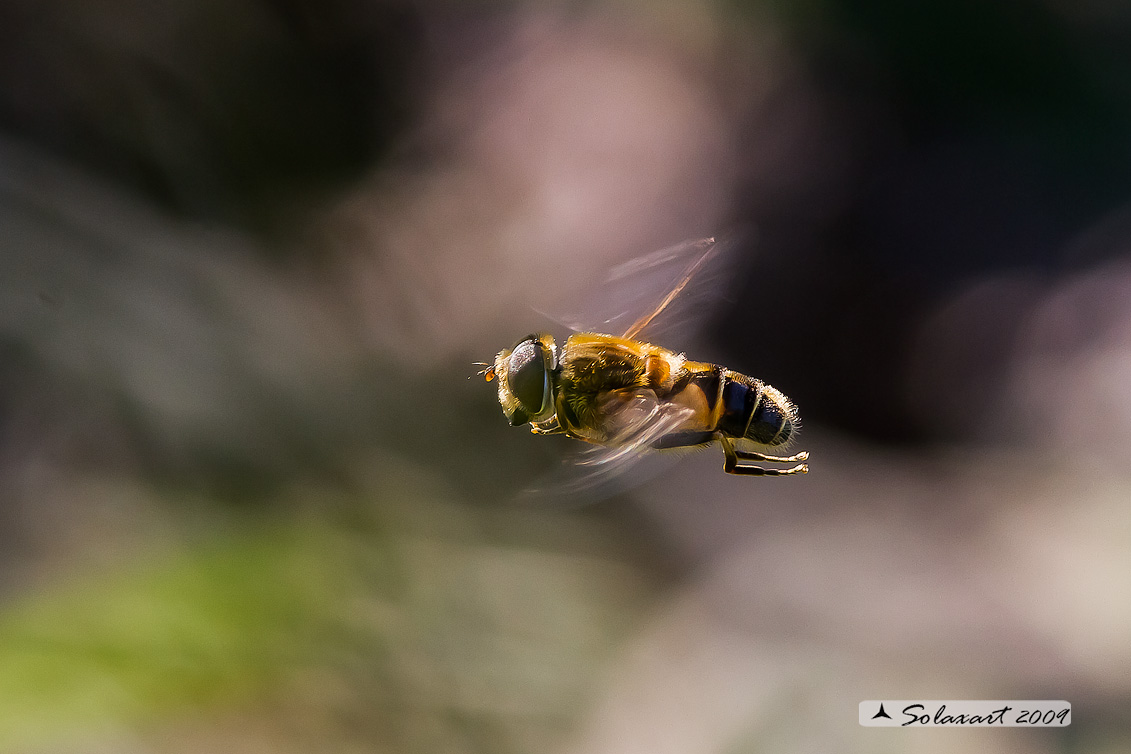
629,396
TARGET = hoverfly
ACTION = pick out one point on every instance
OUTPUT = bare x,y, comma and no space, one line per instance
628,396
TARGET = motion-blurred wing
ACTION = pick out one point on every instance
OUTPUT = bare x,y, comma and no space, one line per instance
599,472
664,296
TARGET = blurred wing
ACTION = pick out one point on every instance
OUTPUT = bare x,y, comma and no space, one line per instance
706,249
637,423
600,472
667,292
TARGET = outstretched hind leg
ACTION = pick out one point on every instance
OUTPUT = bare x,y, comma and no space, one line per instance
731,458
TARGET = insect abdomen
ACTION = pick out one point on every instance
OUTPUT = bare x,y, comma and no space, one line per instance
754,410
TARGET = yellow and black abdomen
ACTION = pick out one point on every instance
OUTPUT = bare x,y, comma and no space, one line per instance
730,403
756,411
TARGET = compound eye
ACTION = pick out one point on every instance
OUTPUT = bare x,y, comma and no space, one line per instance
526,373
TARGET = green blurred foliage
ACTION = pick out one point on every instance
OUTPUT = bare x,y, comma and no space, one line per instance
221,622
398,619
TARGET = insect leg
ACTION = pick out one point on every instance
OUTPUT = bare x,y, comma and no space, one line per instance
547,427
731,458
752,456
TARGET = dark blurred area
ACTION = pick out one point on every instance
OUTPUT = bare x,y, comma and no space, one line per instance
216,112
249,500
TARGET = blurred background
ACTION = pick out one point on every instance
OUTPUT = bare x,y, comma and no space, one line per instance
250,501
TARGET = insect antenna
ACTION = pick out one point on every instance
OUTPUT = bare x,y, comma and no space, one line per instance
487,374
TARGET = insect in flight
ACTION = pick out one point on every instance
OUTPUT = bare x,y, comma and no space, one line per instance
630,396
